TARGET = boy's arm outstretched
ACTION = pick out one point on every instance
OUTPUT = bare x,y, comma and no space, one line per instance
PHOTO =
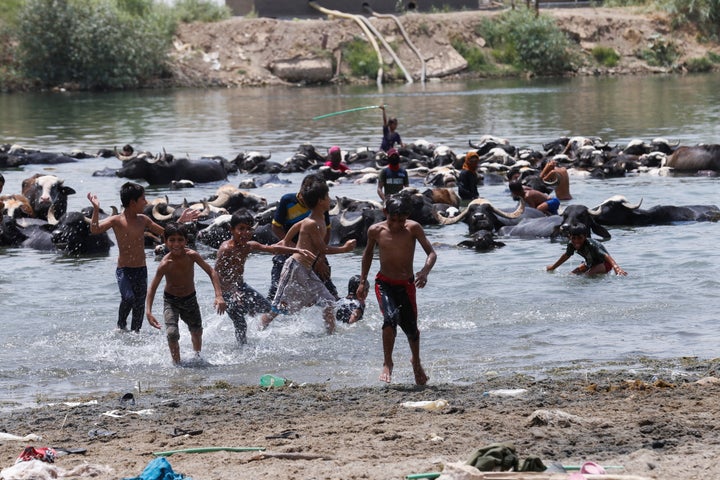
348,246
421,276
367,259
220,305
563,258
281,249
151,295
615,266
95,226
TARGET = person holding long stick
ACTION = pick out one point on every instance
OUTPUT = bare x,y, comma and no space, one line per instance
390,135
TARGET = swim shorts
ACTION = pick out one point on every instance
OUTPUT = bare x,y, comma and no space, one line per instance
397,304
553,204
181,308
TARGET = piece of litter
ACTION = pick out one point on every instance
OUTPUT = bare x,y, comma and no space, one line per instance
506,392
121,413
27,438
427,405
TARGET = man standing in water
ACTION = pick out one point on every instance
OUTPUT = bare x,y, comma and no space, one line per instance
395,283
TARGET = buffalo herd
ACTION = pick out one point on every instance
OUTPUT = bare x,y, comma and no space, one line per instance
37,216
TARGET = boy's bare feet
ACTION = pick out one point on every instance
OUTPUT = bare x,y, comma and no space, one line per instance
420,377
386,375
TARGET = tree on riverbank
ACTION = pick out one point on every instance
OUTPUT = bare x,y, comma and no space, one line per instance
93,44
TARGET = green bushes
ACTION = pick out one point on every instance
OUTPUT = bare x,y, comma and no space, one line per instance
529,42
93,44
200,11
605,56
472,54
699,64
361,58
660,52
703,13
102,44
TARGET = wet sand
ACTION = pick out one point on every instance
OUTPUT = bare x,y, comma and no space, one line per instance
655,428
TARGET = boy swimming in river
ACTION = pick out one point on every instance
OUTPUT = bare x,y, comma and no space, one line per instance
597,259
240,297
395,283
178,268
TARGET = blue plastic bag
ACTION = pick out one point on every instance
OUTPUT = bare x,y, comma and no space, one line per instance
159,469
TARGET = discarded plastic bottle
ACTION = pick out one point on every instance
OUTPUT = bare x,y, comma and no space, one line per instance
268,380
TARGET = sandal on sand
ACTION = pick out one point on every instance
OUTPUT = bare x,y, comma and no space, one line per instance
179,432
592,468
284,434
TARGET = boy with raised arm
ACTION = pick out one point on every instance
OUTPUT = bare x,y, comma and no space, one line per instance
240,297
395,283
299,285
129,228
178,268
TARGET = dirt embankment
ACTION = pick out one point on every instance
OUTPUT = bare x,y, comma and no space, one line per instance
264,51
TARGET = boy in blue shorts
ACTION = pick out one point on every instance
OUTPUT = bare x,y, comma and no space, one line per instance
534,198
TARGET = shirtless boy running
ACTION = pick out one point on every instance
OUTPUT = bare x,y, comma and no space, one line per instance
129,227
240,297
178,268
299,285
395,283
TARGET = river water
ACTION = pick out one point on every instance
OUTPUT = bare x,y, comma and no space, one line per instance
496,313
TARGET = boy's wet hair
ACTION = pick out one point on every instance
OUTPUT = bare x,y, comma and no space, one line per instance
515,187
398,205
175,228
578,229
314,191
242,216
353,284
130,191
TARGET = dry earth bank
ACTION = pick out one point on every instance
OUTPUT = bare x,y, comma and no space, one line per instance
264,51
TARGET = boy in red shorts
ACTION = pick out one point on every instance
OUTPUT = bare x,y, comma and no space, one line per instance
395,283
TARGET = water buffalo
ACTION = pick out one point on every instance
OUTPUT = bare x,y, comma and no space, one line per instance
353,225
45,192
538,227
480,215
71,235
15,156
16,206
482,241
426,205
161,171
576,214
618,211
694,159
231,199
11,234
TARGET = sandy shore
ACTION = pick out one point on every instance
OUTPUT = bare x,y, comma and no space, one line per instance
655,428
